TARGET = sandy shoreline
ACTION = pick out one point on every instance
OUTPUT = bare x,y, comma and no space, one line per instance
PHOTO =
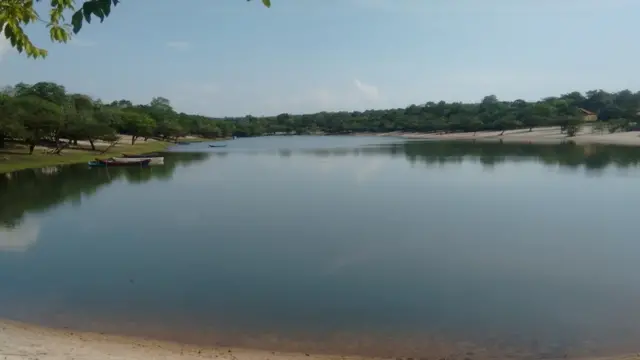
19,341
546,135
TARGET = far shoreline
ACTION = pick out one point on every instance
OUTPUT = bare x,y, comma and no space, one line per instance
537,136
12,160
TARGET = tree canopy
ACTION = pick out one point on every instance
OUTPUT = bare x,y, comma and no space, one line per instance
46,113
16,15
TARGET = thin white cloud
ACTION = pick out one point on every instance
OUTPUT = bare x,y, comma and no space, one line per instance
389,5
193,96
215,99
347,96
352,259
178,45
370,91
82,43
491,6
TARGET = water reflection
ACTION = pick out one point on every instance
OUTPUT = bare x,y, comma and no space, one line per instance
590,157
36,191
20,238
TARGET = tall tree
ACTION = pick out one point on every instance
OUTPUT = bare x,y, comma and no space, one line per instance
10,125
40,118
137,125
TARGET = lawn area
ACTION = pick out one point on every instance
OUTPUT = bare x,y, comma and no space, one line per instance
18,158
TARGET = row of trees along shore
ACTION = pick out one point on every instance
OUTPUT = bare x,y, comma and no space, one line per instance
45,113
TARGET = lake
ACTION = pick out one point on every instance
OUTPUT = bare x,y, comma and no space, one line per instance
352,245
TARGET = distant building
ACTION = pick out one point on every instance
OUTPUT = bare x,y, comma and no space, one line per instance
588,115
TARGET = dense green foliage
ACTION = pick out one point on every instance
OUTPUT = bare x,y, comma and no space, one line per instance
567,111
45,112
15,15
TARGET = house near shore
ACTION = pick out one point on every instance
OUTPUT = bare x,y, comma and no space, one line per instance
587,115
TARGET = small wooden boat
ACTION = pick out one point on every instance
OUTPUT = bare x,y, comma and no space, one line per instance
158,160
214,146
113,162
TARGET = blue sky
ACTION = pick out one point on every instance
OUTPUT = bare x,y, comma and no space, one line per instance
230,57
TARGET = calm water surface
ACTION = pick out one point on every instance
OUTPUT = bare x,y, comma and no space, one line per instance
337,244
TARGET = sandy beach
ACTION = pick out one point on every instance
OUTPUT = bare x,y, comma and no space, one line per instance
543,135
21,342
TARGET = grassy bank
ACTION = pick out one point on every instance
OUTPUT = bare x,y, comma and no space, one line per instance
18,158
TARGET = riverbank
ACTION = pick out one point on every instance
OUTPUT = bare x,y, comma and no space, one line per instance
18,158
19,341
545,135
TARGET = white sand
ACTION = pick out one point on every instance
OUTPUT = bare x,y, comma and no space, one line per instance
20,341
27,342
546,135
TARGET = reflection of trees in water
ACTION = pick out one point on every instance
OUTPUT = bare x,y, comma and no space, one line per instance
33,191
571,156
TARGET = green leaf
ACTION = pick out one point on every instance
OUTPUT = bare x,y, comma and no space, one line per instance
267,3
76,21
87,10
105,6
8,32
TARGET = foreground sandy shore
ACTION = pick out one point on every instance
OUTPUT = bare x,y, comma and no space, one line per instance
546,135
21,342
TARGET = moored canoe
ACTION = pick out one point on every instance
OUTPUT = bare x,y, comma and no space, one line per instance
152,160
112,162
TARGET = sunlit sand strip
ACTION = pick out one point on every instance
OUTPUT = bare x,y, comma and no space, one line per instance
20,341
546,135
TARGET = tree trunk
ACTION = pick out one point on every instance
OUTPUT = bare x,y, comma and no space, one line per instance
530,129
35,138
93,146
58,150
502,133
133,140
75,142
2,140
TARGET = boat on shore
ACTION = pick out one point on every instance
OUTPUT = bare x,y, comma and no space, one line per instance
217,146
155,160
115,162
